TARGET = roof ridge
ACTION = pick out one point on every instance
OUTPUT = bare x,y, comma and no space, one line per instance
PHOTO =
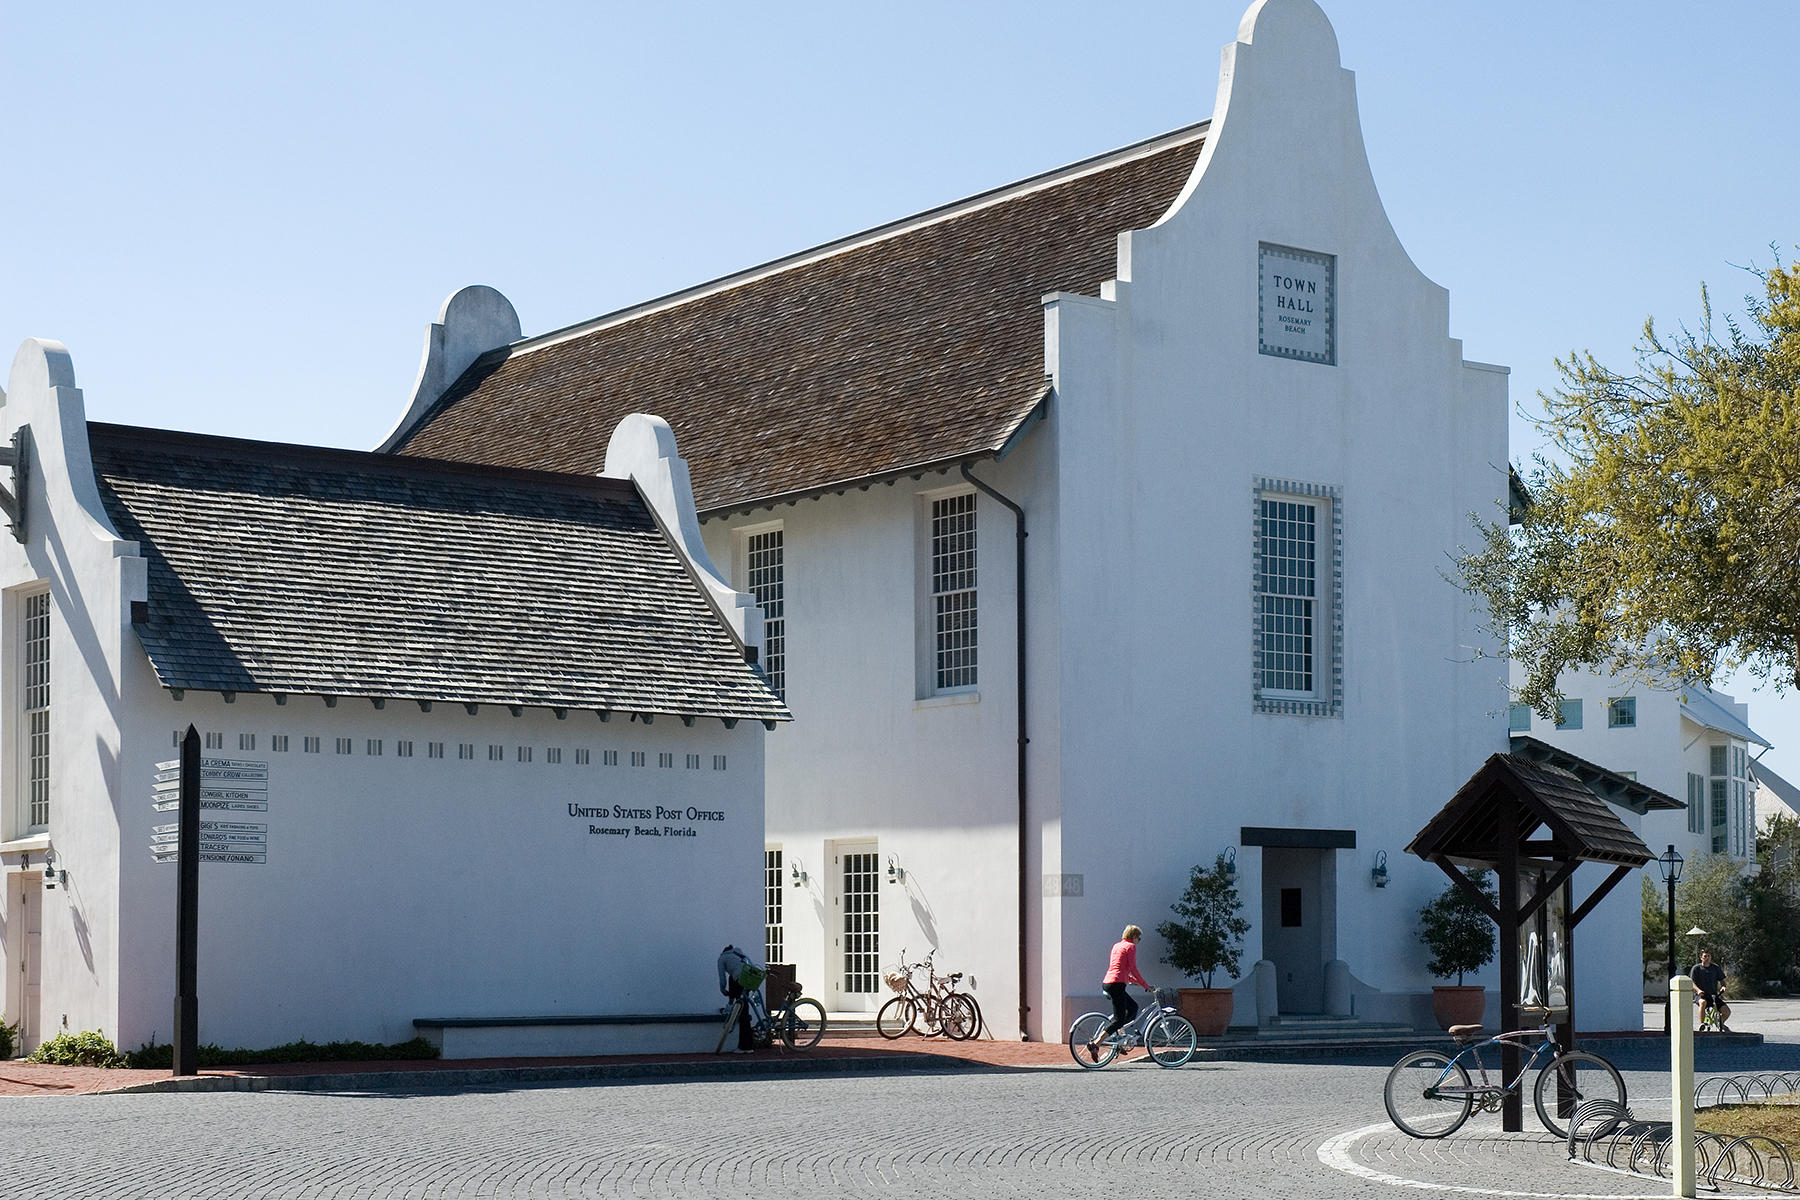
298,453
865,237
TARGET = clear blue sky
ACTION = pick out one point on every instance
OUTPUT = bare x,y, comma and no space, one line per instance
241,218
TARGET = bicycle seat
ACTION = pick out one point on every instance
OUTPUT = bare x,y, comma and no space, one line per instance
1466,1033
955,977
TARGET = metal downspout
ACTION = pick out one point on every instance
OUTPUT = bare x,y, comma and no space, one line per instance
1019,657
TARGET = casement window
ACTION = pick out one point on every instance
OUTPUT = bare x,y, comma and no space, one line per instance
1621,712
1696,803
36,704
1720,785
765,577
1298,631
773,949
1519,718
949,628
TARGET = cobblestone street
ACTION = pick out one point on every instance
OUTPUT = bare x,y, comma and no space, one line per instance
1221,1129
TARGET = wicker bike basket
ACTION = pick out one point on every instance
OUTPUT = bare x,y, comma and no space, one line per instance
896,980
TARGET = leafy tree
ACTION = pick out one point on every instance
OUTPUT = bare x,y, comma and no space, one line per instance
1459,934
1663,538
1771,951
1210,933
1712,896
1656,928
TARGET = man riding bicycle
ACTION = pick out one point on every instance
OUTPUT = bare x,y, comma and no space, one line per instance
1709,985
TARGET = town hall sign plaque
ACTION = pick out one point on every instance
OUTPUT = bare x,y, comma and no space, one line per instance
1296,303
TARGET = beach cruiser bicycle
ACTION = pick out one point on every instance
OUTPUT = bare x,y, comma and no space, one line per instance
936,1008
1164,1034
1429,1094
797,1022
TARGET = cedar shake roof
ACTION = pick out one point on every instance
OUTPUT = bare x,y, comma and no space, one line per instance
914,345
308,571
1579,822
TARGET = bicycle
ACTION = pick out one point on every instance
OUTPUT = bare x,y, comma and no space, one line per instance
939,1008
1164,1033
798,1023
1428,1093
1710,1019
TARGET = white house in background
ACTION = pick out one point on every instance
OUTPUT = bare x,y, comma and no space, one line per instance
493,743
1690,742
1774,796
1098,522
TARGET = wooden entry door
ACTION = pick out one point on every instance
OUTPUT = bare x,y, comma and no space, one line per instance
1295,925
24,956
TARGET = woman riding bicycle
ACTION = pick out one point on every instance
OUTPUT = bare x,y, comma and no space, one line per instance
1121,973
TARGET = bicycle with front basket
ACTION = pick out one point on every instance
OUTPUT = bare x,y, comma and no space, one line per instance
936,1008
1164,1033
798,1022
1429,1093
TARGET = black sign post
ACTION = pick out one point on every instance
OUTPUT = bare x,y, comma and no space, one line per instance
187,910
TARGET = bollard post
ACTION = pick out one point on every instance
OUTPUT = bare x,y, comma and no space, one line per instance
1681,1084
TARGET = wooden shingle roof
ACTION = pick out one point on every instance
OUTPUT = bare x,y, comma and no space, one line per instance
912,346
1580,825
307,571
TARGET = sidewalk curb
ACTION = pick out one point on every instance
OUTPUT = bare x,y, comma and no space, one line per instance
371,1081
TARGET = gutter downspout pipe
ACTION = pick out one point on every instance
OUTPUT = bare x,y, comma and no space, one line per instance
1019,658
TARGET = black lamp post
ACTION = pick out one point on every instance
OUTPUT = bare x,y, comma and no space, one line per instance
1670,865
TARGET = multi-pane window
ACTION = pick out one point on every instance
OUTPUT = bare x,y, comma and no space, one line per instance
1621,713
1568,714
773,950
1519,718
763,556
1696,803
862,923
1287,568
37,710
1720,792
953,591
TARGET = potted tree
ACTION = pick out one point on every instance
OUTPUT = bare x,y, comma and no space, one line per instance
1208,937
1460,936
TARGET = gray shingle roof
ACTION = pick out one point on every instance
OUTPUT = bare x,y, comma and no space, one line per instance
1579,822
914,345
300,570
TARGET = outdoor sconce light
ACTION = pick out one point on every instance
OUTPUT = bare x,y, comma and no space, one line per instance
896,872
1378,874
1231,862
52,876
800,876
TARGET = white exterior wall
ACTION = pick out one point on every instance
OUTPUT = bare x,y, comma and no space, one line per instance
395,887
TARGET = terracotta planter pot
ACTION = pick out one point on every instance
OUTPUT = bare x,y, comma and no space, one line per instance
1453,1005
1208,1010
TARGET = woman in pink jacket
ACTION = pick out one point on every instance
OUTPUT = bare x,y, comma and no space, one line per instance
1121,973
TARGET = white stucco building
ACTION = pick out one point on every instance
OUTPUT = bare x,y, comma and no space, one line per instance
1690,741
1098,521
478,742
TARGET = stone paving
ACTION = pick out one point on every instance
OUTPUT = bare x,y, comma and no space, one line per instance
1036,1127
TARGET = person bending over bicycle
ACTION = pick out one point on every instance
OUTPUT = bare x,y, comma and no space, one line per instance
1121,973
1709,985
732,961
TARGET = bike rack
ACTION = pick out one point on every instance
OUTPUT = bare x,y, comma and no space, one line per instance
1606,1134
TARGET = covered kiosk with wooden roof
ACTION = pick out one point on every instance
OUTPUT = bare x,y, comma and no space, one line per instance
1533,823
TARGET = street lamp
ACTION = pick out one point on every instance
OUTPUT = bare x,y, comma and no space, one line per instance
1670,865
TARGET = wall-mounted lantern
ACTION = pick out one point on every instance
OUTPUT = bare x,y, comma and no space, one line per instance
1231,863
895,873
1378,875
798,872
52,876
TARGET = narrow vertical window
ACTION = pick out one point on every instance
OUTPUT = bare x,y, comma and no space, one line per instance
766,577
1287,561
37,709
953,591
1519,718
1696,803
773,950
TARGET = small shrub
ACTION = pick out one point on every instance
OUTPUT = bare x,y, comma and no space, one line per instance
90,1048
9,1040
153,1055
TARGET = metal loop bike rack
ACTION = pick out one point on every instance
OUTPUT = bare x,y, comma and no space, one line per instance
1606,1134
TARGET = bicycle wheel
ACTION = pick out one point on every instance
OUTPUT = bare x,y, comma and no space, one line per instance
980,1021
1571,1081
1087,1029
1410,1106
956,1016
804,1023
896,1017
1169,1040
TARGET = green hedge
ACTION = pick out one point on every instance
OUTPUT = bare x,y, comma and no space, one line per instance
153,1055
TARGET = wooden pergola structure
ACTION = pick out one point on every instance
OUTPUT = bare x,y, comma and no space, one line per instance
1534,823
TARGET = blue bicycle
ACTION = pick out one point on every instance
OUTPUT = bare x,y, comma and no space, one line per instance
1429,1093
